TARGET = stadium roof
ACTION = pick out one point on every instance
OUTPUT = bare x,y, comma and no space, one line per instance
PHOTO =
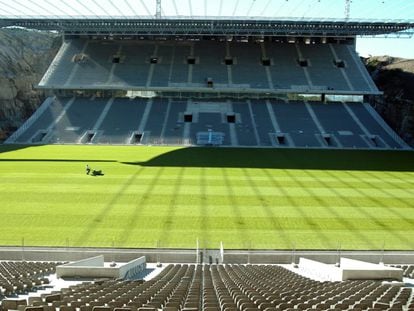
257,9
217,27
213,17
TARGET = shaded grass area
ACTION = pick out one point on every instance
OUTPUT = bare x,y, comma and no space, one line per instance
246,198
287,159
283,158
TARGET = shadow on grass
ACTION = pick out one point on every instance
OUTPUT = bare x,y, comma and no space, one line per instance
58,160
14,147
370,160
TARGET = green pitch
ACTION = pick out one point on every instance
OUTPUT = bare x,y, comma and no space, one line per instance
170,197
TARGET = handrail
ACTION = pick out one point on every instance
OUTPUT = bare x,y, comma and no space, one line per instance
46,104
54,64
386,127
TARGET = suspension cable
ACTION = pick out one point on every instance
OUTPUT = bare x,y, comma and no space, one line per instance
117,9
146,8
280,8
265,8
36,4
235,7
130,7
25,7
103,9
175,8
10,13
295,9
87,8
251,7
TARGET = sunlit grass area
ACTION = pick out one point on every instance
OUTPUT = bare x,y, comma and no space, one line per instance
172,197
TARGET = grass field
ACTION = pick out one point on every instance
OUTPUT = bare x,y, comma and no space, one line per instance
170,197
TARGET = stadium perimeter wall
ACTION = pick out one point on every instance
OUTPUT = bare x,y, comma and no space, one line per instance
206,256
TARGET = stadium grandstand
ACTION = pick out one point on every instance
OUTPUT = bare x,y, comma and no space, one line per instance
208,80
161,80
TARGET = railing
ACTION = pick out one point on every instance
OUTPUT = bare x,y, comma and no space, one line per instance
12,139
386,127
362,69
55,63
168,141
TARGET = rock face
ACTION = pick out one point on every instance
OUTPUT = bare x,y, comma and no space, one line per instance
395,77
24,57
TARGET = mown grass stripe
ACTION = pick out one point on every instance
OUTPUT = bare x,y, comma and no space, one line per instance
255,198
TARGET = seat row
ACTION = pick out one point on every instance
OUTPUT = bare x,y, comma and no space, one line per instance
408,270
223,288
22,276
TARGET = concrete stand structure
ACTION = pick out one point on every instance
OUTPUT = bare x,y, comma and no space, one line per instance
348,269
95,267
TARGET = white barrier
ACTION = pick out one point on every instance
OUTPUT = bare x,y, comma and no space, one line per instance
94,267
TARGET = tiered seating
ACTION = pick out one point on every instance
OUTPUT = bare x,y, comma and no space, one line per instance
354,68
408,270
285,70
95,70
173,130
294,119
211,63
44,121
227,287
210,300
248,69
123,117
265,128
158,63
322,66
373,126
21,276
179,73
336,121
79,118
244,129
215,65
153,126
63,64
162,69
134,67
162,121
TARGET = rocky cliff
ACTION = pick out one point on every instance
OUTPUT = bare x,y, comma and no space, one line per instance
395,77
24,57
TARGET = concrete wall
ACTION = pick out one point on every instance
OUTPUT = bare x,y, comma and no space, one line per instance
360,274
97,261
359,270
189,255
87,272
118,255
94,268
133,267
90,267
349,269
319,270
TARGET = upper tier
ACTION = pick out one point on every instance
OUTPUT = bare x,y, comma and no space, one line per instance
209,66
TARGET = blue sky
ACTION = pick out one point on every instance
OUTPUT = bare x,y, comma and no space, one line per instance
320,9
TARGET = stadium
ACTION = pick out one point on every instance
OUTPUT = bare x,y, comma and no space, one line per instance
205,162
